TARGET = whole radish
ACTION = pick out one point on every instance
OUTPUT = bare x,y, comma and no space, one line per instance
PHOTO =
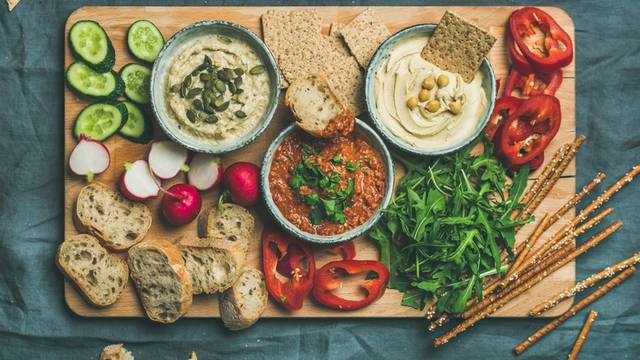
181,204
241,180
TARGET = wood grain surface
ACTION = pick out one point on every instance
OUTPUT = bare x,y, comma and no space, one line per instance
116,20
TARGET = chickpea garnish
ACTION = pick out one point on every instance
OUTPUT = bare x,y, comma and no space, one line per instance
443,81
424,95
433,106
455,107
412,102
429,82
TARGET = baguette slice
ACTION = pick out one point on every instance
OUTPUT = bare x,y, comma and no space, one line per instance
117,222
100,276
317,109
115,352
212,269
162,280
243,303
232,230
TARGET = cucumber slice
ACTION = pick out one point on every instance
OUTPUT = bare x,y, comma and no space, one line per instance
86,81
138,127
136,79
144,40
90,43
100,121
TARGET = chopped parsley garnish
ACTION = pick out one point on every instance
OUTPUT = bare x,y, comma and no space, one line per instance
352,166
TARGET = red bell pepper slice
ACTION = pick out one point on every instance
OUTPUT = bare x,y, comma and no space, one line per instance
518,61
552,52
347,250
503,108
528,131
328,279
533,83
284,256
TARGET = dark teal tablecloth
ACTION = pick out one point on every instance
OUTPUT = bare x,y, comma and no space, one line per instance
35,323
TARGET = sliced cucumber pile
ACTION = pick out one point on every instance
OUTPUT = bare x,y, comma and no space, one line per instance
86,81
90,43
138,127
144,40
100,121
137,79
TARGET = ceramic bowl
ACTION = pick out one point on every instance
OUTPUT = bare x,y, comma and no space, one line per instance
488,84
166,58
374,141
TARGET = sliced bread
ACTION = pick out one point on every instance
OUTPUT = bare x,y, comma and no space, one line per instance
212,269
232,228
317,109
115,352
117,222
161,277
100,275
243,303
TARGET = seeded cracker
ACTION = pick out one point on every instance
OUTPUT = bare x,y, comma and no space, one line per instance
363,36
458,46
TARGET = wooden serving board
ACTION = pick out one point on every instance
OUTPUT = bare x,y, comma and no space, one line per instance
116,20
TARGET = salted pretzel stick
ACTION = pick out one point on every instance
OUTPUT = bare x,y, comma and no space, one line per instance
578,197
535,337
528,244
571,291
439,322
582,337
548,266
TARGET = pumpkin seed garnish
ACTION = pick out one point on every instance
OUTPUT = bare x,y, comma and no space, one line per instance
194,92
239,91
232,88
187,81
241,114
230,74
175,88
197,104
218,101
224,39
207,60
195,72
191,115
238,81
223,107
211,119
238,71
222,75
209,110
204,77
201,67
256,70
220,86
183,90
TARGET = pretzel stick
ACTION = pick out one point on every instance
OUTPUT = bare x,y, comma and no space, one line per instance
528,244
607,272
549,265
574,309
582,337
578,197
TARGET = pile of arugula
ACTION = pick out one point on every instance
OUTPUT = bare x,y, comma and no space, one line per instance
447,225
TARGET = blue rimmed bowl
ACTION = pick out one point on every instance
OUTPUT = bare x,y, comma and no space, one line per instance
380,148
159,78
378,59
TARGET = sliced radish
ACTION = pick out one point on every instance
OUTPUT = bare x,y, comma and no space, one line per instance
137,182
167,158
89,158
205,171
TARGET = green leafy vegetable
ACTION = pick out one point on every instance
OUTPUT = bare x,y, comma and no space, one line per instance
447,226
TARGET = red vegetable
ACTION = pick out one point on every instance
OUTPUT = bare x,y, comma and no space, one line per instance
533,83
327,280
346,249
292,259
181,204
518,61
527,132
546,55
503,108
241,179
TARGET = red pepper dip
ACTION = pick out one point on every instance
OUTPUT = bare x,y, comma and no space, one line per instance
326,186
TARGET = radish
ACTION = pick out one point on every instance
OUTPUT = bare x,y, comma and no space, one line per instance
205,171
241,179
89,158
137,182
167,158
181,204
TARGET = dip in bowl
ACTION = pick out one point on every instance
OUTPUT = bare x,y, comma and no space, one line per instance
327,191
214,87
419,107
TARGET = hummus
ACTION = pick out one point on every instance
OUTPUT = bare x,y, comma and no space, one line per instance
433,116
240,111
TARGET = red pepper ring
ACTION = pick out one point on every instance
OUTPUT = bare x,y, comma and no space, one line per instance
328,279
555,52
529,130
503,108
533,83
347,250
284,254
518,61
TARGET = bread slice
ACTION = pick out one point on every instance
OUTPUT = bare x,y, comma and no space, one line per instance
234,224
162,280
212,269
243,303
363,35
193,356
117,222
100,276
316,108
115,352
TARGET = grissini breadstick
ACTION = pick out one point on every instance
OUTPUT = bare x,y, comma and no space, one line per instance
574,309
548,266
571,291
577,197
528,244
582,337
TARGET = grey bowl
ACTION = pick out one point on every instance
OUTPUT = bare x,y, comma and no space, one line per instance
489,85
378,145
166,56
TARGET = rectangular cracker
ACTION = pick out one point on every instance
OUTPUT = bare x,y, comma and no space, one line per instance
363,35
